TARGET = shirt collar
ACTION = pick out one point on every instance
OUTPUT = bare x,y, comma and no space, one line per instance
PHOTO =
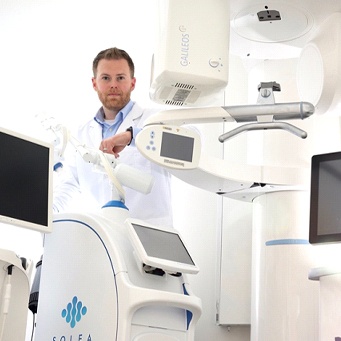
99,117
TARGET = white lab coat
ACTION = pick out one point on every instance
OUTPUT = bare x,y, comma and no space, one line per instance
94,188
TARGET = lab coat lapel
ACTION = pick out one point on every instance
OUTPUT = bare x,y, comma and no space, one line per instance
130,120
95,133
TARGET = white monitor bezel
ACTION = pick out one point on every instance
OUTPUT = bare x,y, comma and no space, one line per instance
149,143
26,224
160,263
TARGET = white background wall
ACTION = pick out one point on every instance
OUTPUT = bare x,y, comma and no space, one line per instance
47,48
46,57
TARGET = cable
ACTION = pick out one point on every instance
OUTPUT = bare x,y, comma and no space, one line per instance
6,299
33,326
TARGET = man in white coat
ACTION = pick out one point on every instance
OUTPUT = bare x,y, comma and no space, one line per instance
113,130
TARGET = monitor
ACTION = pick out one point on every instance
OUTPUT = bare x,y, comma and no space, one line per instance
160,247
325,198
170,146
26,167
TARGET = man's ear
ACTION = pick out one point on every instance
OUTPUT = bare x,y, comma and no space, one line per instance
94,84
133,83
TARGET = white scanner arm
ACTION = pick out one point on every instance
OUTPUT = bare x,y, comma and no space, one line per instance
118,173
262,114
217,175
266,113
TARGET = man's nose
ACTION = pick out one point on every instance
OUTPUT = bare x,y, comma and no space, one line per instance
113,84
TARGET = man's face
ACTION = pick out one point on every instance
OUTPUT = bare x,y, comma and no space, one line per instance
113,84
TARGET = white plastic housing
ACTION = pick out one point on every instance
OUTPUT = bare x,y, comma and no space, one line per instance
170,146
190,62
319,67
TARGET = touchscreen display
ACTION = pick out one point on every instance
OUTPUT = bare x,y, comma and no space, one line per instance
177,147
163,244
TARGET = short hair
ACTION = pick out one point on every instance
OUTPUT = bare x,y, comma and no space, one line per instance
115,54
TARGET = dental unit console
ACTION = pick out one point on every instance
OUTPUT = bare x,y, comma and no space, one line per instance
144,293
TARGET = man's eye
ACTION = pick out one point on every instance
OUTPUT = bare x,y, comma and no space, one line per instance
106,78
120,78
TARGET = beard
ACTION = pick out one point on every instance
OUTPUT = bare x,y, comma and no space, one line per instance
116,102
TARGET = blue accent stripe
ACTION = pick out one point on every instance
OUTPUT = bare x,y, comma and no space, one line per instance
287,242
189,314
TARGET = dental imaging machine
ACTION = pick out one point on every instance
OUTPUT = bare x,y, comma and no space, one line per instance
190,67
103,275
106,276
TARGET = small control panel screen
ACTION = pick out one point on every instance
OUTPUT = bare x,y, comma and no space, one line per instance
177,147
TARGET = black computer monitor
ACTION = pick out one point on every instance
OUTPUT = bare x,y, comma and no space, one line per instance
26,166
325,198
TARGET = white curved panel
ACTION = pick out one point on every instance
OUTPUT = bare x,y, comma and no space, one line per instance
318,72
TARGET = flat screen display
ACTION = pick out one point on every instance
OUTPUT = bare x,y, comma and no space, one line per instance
163,244
325,198
177,147
160,248
25,182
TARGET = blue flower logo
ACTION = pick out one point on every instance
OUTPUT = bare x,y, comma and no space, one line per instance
74,312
